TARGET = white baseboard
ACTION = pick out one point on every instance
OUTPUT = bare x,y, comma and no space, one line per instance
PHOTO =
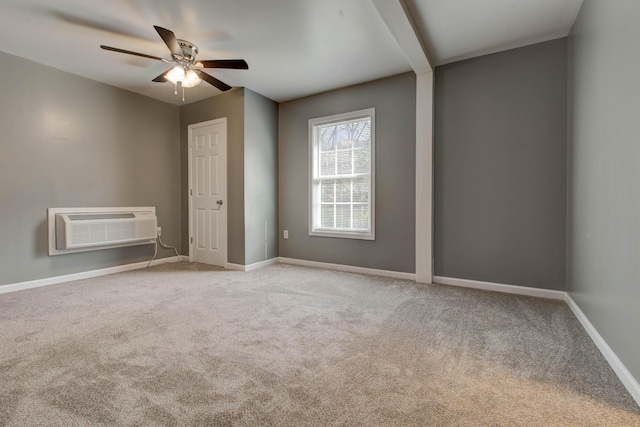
250,267
261,264
348,268
234,267
168,260
499,287
616,364
85,275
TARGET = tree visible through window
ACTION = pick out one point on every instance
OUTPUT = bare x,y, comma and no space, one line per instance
341,179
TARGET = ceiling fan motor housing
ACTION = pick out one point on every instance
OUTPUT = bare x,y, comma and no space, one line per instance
189,50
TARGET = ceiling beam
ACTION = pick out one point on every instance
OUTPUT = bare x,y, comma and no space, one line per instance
399,21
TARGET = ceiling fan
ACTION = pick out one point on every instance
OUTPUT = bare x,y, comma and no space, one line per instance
186,70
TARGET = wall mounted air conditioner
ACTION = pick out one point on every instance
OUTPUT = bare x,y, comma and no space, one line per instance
86,229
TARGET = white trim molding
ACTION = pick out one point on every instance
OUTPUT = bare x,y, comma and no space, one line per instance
234,267
251,267
348,268
261,264
86,274
616,364
499,287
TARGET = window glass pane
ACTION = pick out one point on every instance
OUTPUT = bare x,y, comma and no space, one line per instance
343,136
327,137
362,133
360,190
328,164
344,162
327,190
327,214
360,217
343,216
361,160
343,190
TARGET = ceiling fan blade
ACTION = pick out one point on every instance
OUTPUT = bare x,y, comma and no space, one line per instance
161,78
213,81
170,40
236,64
128,52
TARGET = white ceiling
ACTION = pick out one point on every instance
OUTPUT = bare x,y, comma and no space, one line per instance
294,47
453,30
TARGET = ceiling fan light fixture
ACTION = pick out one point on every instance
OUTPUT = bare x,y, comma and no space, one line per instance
176,74
191,79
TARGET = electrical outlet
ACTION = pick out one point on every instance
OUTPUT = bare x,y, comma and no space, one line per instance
286,234
159,231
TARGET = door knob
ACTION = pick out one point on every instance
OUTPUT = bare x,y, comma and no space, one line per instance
219,202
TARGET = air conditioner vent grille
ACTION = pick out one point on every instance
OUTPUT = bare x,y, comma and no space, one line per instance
76,229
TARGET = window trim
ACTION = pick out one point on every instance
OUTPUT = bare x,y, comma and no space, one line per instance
311,172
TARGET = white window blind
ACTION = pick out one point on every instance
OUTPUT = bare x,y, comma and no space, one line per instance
342,175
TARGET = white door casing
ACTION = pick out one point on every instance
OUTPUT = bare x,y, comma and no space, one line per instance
208,192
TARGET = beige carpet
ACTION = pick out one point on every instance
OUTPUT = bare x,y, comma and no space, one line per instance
184,344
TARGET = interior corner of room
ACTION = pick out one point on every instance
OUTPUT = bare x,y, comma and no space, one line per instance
527,183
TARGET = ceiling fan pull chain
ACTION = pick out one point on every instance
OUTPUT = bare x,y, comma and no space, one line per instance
175,88
182,93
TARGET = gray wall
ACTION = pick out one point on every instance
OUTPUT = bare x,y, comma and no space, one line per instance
394,248
260,177
604,177
231,106
72,142
500,167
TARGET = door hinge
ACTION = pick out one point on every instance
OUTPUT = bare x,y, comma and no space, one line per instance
191,191
191,240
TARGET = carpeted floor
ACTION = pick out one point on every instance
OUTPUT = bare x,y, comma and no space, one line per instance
186,344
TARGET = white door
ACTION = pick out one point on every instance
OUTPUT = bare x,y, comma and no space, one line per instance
208,192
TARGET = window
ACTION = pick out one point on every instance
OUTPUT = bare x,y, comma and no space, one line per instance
341,168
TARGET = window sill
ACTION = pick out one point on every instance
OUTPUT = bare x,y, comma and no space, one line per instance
342,235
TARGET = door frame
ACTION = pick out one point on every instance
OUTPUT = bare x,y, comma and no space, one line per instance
191,127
